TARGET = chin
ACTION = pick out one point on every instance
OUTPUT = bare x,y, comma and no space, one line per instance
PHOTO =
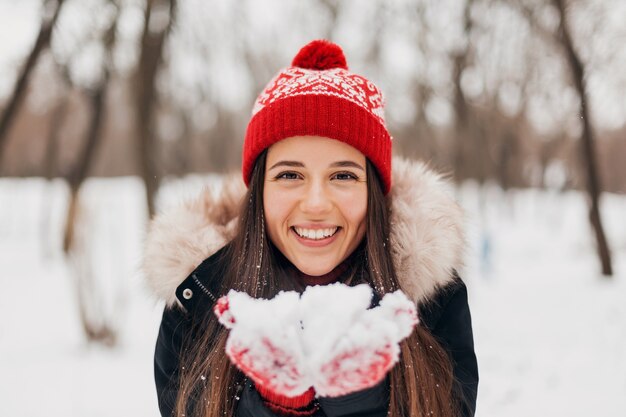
314,270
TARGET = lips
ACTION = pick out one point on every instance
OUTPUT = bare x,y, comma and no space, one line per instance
315,233
324,241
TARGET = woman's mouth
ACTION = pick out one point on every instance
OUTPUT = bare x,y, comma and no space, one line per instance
315,234
315,237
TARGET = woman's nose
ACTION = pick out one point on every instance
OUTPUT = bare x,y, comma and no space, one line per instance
316,199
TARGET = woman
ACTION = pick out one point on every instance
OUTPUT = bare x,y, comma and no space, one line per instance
320,208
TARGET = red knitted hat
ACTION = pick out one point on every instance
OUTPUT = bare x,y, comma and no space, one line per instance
318,96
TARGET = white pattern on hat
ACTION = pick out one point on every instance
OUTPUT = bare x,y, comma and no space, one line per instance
294,81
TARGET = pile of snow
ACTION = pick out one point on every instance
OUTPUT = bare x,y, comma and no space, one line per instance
291,342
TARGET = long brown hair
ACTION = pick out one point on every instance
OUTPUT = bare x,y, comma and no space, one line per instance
421,383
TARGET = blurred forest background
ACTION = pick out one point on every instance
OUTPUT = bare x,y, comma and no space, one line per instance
492,90
522,96
524,93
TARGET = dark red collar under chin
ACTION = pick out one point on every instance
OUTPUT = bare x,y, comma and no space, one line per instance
328,278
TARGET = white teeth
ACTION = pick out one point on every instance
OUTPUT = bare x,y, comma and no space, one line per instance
315,234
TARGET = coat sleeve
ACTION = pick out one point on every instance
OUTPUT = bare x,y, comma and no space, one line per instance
251,404
174,325
370,402
450,321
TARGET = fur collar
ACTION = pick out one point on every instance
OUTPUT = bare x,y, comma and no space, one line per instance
426,239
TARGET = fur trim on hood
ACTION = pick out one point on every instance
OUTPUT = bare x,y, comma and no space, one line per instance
427,241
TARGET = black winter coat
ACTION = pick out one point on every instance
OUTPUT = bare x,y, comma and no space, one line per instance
447,316
182,263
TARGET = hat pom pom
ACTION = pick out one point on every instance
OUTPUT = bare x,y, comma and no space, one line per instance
320,55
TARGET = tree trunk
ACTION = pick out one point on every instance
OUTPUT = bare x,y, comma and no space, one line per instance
587,141
92,137
78,175
97,325
152,42
463,131
19,92
50,169
52,147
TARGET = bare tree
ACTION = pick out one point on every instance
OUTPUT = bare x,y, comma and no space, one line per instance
50,164
93,135
562,39
158,19
97,327
463,121
50,15
577,68
85,159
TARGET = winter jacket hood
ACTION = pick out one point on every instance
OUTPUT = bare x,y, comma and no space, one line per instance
426,237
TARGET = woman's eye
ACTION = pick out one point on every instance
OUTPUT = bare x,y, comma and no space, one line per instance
345,176
287,176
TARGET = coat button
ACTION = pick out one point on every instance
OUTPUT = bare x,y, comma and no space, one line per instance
187,293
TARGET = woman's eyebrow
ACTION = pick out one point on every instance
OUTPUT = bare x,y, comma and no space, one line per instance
342,164
288,164
347,164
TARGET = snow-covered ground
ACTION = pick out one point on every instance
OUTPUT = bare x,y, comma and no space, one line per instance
550,331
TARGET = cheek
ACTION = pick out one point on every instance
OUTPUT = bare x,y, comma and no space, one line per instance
276,207
354,207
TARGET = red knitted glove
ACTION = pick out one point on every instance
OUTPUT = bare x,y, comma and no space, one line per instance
360,345
264,343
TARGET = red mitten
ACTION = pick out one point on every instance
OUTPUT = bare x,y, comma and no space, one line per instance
264,343
358,345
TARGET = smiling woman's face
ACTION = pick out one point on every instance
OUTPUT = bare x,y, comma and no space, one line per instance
315,201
